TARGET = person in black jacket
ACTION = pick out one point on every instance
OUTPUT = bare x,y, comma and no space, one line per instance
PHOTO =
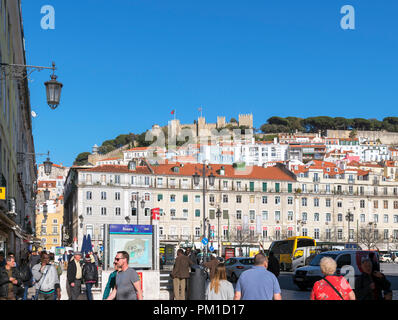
26,276
372,284
365,288
74,276
10,280
273,264
90,276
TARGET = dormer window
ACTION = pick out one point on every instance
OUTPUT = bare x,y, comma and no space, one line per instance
176,169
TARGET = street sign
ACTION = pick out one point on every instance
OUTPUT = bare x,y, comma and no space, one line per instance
2,193
205,241
211,248
155,213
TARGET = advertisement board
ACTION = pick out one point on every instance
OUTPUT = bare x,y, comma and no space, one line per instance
136,240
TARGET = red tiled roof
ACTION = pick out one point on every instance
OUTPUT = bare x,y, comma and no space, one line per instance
47,184
108,159
254,172
112,168
188,169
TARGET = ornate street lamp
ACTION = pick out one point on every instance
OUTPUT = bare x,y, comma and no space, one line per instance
22,72
47,166
142,204
46,194
53,90
349,217
218,215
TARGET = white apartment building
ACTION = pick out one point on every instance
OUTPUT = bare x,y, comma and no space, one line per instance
256,203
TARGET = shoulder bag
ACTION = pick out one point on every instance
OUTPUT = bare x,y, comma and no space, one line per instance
339,294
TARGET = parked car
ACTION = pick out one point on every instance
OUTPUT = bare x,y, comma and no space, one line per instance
236,265
386,258
305,277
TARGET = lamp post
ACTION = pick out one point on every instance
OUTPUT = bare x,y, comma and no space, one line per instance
132,203
218,214
300,223
196,179
349,217
21,72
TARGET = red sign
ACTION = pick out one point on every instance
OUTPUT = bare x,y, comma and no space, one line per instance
140,276
265,228
229,253
290,228
277,228
212,227
225,227
155,213
251,227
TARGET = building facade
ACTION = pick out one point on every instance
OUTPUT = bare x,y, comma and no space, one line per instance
17,161
254,204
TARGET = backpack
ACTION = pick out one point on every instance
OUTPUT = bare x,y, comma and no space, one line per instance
25,273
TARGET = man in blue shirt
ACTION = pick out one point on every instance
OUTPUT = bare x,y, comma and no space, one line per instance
258,283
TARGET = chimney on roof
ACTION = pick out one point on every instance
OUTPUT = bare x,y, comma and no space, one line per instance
222,171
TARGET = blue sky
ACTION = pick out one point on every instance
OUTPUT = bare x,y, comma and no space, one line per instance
126,64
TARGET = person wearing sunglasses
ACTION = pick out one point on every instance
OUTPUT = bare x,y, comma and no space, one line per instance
128,286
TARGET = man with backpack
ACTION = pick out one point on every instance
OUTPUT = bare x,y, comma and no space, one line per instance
47,280
26,275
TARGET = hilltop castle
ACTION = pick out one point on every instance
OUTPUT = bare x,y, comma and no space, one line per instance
202,129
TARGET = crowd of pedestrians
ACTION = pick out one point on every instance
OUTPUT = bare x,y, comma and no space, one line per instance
38,272
261,281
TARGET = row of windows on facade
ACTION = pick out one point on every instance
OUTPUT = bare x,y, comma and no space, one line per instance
44,241
350,189
44,230
252,215
277,233
264,200
139,180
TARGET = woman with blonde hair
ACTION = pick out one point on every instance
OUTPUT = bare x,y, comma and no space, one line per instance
331,287
219,287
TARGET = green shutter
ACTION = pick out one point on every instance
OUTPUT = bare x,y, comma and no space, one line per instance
225,214
289,188
212,214
160,196
197,212
277,187
264,187
185,198
251,186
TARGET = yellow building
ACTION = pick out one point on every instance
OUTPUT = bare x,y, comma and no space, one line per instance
50,213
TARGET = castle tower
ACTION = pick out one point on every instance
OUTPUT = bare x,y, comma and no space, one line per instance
174,127
220,122
246,120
